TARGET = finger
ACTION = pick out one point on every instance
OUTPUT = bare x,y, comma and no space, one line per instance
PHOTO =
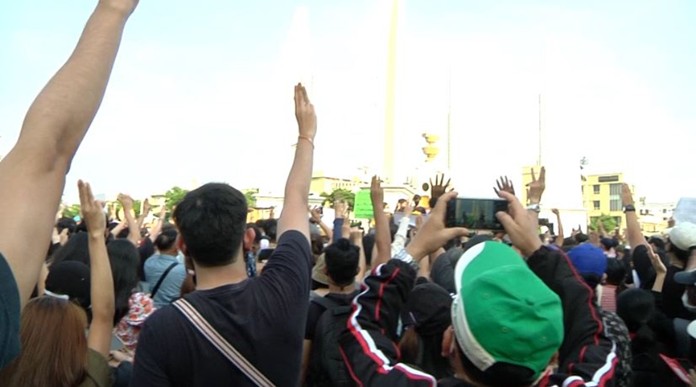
304,94
81,191
499,183
507,221
542,174
441,206
456,232
448,182
497,191
431,181
514,205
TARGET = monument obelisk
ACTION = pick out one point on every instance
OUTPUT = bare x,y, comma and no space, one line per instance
390,103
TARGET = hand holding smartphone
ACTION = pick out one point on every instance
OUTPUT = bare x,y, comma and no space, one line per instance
475,214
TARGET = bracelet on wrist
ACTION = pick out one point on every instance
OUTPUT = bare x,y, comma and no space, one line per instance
311,141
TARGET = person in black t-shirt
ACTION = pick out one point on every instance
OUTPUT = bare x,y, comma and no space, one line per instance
342,260
262,317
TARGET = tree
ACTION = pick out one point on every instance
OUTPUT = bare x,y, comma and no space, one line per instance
608,221
71,211
250,196
174,196
340,194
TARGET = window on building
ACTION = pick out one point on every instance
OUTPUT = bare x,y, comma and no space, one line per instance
615,197
596,189
595,204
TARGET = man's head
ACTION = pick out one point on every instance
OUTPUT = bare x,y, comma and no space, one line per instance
166,240
212,224
590,262
508,324
342,259
682,238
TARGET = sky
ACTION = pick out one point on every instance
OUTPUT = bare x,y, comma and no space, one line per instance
202,91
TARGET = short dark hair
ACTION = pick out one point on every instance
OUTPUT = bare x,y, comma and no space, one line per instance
212,221
342,259
616,272
681,255
166,239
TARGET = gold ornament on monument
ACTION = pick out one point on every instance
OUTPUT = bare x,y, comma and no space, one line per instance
430,150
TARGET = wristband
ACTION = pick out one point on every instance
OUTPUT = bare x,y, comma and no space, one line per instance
311,142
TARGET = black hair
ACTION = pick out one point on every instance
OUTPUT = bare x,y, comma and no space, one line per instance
636,307
145,250
342,259
258,233
124,259
581,238
167,238
76,249
68,223
500,374
317,243
616,272
212,221
425,352
269,226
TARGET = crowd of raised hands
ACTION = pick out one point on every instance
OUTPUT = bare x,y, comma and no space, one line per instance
207,299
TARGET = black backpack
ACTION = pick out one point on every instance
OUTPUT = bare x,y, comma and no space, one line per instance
326,367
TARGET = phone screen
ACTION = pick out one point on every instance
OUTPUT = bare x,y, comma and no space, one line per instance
475,214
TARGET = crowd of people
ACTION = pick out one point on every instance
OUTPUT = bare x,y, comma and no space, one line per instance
209,299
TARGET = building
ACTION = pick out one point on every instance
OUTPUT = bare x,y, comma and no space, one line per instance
654,216
325,184
601,195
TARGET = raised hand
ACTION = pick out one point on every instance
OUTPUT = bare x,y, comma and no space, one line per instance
146,207
126,201
537,186
555,211
316,214
92,211
626,195
125,7
305,115
340,209
519,226
433,234
376,192
438,189
656,262
504,184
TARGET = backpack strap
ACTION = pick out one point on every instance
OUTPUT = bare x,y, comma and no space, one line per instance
222,345
161,279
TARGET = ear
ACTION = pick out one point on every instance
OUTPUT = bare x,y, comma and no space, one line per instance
181,246
447,341
248,241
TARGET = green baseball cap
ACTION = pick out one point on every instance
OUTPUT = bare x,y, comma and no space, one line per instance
503,312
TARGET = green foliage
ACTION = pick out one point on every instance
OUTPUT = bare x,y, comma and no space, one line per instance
340,194
71,211
250,196
608,221
174,196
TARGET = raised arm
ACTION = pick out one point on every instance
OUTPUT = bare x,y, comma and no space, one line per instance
634,234
356,237
102,283
144,212
316,216
382,231
34,170
294,216
133,229
535,190
559,237
157,228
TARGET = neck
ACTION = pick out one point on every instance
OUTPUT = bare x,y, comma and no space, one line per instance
342,289
213,277
173,253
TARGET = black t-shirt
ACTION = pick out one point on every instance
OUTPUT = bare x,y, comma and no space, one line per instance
263,318
316,310
672,292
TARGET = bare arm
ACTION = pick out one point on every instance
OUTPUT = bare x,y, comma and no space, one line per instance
157,228
34,170
144,212
294,216
635,235
316,216
559,237
102,283
382,232
133,229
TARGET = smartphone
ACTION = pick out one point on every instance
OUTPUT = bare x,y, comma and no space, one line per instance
475,214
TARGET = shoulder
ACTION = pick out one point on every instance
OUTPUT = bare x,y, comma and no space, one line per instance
293,239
